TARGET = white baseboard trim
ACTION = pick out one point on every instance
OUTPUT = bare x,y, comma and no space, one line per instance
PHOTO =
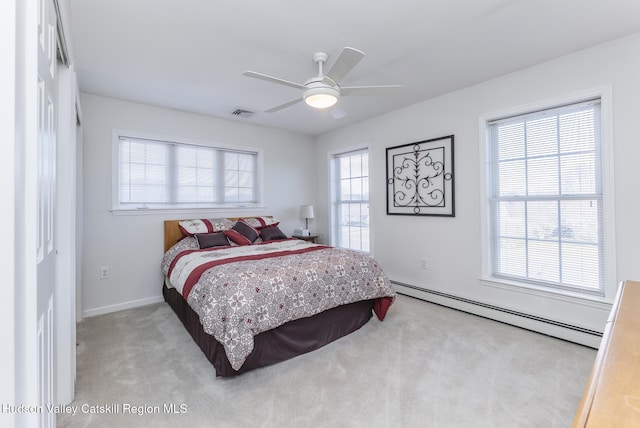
529,322
122,306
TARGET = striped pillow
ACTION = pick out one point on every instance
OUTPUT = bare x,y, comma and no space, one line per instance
242,234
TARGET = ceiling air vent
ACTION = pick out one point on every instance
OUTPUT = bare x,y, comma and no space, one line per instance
240,112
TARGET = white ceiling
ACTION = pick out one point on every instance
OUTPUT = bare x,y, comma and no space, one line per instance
190,54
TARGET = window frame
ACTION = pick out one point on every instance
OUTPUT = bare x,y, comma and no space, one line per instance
487,278
334,191
119,209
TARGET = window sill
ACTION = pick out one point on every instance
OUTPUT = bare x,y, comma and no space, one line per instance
208,211
558,294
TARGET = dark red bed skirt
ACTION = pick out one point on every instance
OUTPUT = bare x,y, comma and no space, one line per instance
287,341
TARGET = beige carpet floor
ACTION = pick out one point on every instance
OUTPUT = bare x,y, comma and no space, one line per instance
424,366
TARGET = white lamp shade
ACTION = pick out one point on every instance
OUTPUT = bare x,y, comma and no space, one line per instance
306,211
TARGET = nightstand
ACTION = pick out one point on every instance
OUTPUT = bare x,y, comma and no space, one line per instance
310,238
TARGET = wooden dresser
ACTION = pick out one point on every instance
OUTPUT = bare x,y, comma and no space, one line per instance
612,396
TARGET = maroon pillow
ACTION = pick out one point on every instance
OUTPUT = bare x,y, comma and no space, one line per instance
242,234
207,240
272,233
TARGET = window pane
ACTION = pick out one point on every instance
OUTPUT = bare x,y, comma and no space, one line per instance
205,177
345,167
542,137
204,194
147,193
511,178
188,194
578,174
195,175
546,200
245,162
351,219
345,190
542,220
511,141
231,161
170,174
239,177
580,265
513,257
356,166
205,159
577,131
245,194
365,189
355,241
231,194
187,176
544,261
354,215
580,221
244,179
365,164
343,237
142,172
231,178
125,192
155,174
364,239
136,173
512,219
137,152
542,176
356,189
187,157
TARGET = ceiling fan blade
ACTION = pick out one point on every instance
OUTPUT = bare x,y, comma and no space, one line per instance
272,79
282,106
369,91
348,59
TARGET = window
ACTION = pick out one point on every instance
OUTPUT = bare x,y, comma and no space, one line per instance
351,200
163,174
545,194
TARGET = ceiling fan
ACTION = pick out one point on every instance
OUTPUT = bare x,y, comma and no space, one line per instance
324,90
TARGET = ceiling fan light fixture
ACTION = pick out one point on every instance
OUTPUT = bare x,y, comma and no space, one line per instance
321,97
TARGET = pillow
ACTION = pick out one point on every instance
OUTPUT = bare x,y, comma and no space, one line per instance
242,234
205,225
261,222
191,227
272,233
216,239
221,224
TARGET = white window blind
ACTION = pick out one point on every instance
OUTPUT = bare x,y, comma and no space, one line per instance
162,174
545,198
351,200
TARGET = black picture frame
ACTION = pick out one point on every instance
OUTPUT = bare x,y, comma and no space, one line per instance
420,178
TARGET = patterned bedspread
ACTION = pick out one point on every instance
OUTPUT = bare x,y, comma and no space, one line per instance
239,292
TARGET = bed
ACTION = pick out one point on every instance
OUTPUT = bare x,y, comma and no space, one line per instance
252,304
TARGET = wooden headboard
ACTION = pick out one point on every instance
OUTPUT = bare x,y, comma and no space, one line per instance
173,234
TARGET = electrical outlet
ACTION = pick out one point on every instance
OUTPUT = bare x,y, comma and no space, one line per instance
104,272
423,264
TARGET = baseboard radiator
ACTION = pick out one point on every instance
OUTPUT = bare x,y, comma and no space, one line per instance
449,300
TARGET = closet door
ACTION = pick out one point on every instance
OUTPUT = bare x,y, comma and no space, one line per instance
46,207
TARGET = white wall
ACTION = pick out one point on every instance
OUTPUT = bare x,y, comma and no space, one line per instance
452,246
132,245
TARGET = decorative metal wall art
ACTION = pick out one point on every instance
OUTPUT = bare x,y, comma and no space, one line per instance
420,178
